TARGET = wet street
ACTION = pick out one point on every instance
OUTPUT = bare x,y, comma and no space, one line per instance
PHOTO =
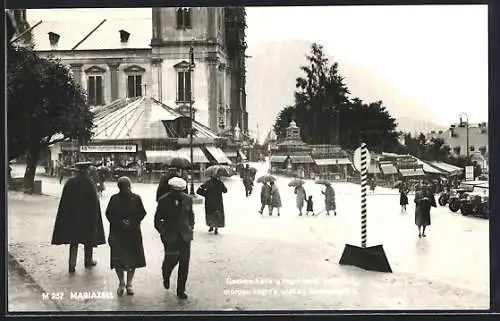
262,262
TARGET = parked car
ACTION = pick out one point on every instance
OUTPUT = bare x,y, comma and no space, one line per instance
457,197
477,201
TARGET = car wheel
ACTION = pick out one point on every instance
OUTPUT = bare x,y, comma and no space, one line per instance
454,206
442,200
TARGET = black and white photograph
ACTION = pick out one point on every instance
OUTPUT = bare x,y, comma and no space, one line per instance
174,159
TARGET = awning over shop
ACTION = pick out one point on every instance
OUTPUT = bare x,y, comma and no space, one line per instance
159,156
242,155
332,161
232,153
198,155
219,155
301,159
410,172
278,158
388,169
447,168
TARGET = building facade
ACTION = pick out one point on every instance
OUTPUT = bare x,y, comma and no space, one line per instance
125,58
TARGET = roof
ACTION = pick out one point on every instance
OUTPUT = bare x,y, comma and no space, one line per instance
428,168
412,172
331,161
388,168
446,167
107,36
139,118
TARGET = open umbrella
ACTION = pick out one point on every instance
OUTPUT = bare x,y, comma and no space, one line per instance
178,162
218,171
296,182
323,182
266,178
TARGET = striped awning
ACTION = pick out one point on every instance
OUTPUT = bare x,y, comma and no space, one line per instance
332,161
388,169
412,172
301,159
219,155
278,158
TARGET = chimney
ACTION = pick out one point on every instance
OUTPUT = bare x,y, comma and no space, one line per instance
124,36
440,132
433,131
53,38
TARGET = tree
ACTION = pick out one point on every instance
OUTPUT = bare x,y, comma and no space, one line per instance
326,114
283,120
45,106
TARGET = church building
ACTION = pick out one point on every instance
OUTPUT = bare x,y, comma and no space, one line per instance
126,58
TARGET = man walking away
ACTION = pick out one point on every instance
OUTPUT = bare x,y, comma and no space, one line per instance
174,220
79,219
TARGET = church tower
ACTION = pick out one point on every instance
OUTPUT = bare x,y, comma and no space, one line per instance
217,81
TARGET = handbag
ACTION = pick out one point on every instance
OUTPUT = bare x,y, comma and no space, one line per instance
202,191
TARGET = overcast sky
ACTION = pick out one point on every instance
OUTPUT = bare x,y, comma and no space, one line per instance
436,56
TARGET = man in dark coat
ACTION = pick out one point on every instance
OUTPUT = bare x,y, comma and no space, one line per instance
164,187
212,190
174,220
79,219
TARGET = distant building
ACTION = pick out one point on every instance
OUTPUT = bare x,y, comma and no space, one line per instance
456,138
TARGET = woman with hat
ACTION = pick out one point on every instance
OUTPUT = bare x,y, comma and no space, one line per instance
212,190
330,204
125,212
423,202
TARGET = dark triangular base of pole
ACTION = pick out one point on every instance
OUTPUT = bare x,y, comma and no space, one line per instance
369,258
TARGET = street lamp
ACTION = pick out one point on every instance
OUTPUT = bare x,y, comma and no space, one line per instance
467,133
191,67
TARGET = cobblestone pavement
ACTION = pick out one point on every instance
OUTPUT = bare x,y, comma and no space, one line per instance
262,262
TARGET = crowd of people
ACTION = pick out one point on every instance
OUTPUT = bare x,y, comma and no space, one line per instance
79,218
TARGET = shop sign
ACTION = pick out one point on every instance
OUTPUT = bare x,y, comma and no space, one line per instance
108,149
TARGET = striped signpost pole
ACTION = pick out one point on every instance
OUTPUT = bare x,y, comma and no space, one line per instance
364,179
369,258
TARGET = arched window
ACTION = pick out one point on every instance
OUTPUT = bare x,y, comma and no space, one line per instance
183,18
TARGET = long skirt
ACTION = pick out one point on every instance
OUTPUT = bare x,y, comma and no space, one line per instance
127,251
215,218
422,218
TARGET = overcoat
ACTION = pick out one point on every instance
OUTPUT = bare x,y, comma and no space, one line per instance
329,198
125,240
212,190
265,194
79,218
174,216
300,197
423,203
275,196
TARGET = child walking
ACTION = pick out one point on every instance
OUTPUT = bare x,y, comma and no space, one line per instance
310,205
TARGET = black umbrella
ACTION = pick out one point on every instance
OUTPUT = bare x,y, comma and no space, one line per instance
178,162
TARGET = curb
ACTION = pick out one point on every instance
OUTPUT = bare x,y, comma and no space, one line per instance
19,268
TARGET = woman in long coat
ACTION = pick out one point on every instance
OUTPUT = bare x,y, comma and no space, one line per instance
265,197
330,204
423,202
300,197
275,198
125,212
403,197
214,205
